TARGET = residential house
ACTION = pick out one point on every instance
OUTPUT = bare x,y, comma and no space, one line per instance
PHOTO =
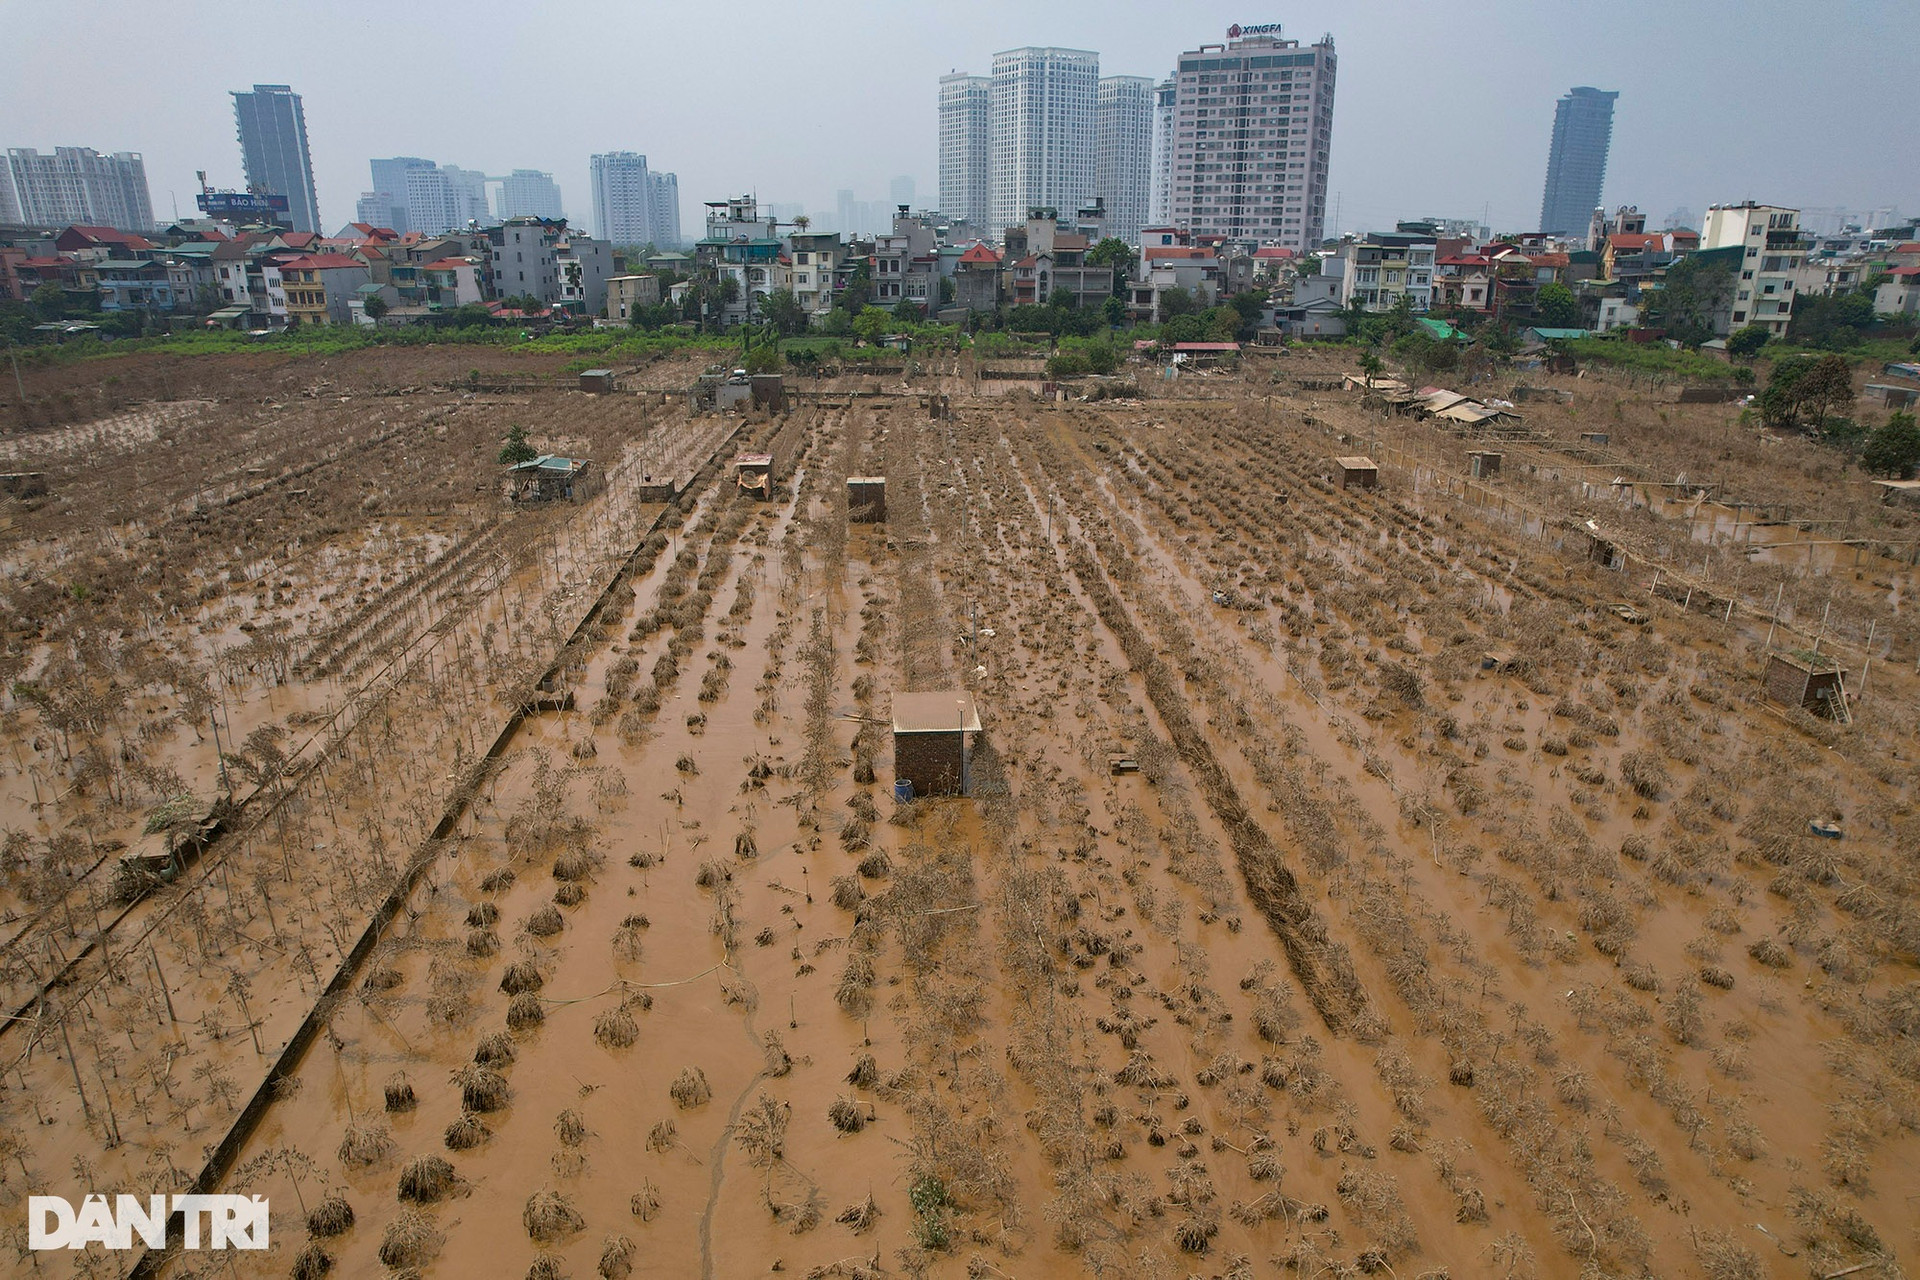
905,265
976,280
814,256
135,284
1463,282
1048,262
629,294
452,282
743,247
525,253
1383,267
320,286
1899,294
1772,250
582,266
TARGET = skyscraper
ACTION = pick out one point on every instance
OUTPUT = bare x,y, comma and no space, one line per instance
900,190
1577,164
1252,133
1123,152
528,193
663,210
1042,128
1160,189
390,193
75,184
622,198
966,148
273,150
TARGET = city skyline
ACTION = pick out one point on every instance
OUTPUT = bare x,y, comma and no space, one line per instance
1688,140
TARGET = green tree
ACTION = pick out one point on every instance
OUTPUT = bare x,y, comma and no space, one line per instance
1176,302
1068,364
376,306
765,358
49,302
1746,343
516,450
1185,328
1555,307
1893,450
1833,322
1370,365
1114,312
783,311
1805,391
906,311
1687,301
1118,254
871,324
1102,356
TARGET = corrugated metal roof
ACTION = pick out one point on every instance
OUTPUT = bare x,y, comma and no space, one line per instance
948,712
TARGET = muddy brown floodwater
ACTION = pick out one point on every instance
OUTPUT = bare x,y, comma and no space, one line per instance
1348,884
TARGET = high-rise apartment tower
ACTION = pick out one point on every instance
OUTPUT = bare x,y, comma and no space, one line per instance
273,150
1123,152
1577,164
1252,134
1043,131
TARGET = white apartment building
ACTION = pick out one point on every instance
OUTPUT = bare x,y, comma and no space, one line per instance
1253,131
75,185
966,147
1123,154
663,210
1160,189
1773,253
1043,129
529,193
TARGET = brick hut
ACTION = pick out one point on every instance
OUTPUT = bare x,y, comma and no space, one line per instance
930,740
866,499
1812,681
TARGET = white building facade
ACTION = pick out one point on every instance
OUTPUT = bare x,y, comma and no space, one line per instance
1123,152
1774,252
1043,120
76,185
966,148
1252,137
529,193
1160,190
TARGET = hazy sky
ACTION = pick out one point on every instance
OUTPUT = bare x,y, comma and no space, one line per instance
1441,108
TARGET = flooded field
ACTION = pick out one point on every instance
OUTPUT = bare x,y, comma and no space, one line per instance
1351,881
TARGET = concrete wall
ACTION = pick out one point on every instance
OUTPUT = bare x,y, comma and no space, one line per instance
931,760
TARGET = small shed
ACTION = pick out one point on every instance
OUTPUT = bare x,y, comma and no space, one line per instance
24,484
1483,464
1812,681
866,499
1892,395
1598,439
1358,473
550,478
753,472
769,392
598,381
930,733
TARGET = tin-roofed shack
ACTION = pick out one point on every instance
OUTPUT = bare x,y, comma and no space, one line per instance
1357,472
930,740
549,478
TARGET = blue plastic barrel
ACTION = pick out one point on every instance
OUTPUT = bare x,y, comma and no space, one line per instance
903,789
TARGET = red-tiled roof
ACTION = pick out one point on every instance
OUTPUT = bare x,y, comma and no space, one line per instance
1031,260
108,235
297,239
979,254
1905,271
1069,240
1911,246
1462,260
446,264
321,262
1632,243
1272,252
1178,251
1550,259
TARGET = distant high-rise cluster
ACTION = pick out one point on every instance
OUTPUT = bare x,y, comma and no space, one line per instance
1577,163
412,194
272,125
633,204
1252,136
1045,130
1235,143
75,185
